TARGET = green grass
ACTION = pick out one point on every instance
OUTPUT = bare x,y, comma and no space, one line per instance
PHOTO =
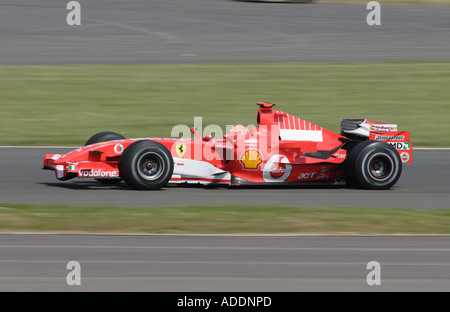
65,105
223,220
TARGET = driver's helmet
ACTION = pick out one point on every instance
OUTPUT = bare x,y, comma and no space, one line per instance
240,130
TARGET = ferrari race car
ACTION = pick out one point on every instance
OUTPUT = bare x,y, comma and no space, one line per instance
280,150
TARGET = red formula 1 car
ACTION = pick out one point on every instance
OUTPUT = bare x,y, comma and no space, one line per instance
281,149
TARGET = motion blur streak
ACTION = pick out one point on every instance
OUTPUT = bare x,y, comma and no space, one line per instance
423,185
35,32
223,263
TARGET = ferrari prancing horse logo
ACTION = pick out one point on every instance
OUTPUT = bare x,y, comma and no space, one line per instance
181,149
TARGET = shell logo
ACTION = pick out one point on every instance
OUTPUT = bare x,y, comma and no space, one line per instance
251,159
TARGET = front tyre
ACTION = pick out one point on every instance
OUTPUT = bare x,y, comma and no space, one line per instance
373,165
105,136
146,165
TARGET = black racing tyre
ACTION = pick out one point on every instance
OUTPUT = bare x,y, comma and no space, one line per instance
373,165
104,137
349,146
146,165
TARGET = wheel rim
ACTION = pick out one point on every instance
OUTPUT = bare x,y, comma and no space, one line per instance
380,167
150,166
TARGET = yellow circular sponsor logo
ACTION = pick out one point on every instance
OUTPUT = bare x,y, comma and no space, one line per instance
251,159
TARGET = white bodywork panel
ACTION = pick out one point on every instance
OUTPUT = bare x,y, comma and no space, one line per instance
366,127
301,135
197,171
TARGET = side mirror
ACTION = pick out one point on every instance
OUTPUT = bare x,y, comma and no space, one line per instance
194,131
208,138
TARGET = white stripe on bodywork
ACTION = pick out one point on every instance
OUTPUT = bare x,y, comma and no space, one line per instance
301,135
189,168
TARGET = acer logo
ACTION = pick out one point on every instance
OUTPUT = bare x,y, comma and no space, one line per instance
308,175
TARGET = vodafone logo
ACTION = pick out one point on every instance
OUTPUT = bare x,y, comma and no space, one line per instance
97,174
276,171
405,157
118,148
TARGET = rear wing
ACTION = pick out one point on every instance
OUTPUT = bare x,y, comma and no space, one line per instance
400,140
365,129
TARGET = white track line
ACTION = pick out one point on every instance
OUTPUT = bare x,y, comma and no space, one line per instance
227,262
225,248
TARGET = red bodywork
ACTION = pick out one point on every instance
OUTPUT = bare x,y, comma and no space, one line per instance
282,149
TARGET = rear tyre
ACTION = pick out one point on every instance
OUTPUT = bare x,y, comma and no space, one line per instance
146,165
373,165
105,136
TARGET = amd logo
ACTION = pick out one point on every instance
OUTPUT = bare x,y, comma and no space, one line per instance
401,145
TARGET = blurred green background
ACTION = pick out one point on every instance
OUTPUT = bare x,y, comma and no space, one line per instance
65,105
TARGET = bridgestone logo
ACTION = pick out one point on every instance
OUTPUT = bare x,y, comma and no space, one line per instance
390,138
97,174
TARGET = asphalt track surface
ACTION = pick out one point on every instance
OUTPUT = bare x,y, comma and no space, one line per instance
423,185
223,263
35,32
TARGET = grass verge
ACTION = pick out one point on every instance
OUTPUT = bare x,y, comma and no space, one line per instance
65,105
223,220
